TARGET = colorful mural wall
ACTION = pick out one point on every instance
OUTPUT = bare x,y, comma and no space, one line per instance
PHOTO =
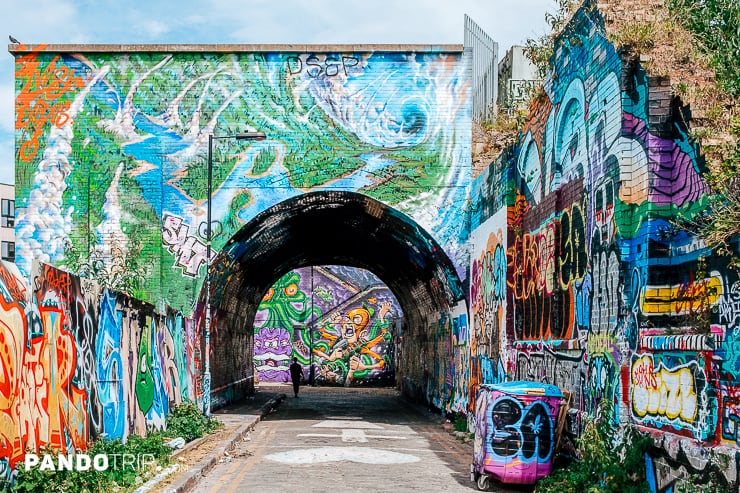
95,131
112,159
338,321
488,291
578,279
79,362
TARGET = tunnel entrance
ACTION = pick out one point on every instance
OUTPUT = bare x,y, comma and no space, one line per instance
315,229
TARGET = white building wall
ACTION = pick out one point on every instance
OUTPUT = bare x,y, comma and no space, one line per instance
7,226
517,78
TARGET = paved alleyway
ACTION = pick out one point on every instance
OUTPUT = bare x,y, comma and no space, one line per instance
346,440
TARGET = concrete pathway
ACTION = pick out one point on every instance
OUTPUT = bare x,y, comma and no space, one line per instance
349,440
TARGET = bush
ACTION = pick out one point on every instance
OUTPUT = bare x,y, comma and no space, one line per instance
604,463
186,420
37,481
461,423
716,25
92,481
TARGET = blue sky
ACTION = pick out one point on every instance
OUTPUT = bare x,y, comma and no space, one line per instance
509,22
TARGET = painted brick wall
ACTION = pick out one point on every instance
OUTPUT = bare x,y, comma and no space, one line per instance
603,298
79,362
117,170
119,162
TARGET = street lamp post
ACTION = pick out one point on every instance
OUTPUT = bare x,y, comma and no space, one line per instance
209,193
311,371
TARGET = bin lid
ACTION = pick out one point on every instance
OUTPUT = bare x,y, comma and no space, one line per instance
524,387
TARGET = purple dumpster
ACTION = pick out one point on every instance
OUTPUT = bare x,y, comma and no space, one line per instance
515,425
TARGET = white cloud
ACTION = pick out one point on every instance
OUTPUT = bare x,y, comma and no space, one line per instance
155,29
7,149
7,110
382,21
34,21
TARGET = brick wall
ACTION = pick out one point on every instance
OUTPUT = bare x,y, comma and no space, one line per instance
604,299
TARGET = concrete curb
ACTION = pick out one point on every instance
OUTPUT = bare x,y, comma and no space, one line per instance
144,488
193,475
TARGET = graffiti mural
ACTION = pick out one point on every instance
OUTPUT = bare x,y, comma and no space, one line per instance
488,292
45,100
338,321
136,126
80,362
604,298
515,431
672,393
354,345
284,308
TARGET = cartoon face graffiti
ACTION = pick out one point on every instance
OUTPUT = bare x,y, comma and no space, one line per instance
354,323
283,307
354,346
272,350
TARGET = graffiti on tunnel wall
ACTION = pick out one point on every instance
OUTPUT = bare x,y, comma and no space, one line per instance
338,321
576,277
435,365
603,298
487,302
79,362
132,128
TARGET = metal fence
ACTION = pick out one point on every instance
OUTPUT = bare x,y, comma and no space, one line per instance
485,70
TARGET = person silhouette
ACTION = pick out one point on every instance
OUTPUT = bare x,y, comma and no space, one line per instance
296,373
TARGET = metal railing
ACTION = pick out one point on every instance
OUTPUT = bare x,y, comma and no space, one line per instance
485,70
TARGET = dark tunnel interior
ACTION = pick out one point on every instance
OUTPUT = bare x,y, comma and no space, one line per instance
332,228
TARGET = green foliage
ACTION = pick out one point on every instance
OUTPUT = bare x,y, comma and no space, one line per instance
37,481
719,222
118,475
153,443
461,423
510,120
186,420
695,483
540,50
120,269
711,480
716,25
606,462
639,36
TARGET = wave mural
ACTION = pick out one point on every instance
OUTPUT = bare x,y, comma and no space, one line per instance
392,125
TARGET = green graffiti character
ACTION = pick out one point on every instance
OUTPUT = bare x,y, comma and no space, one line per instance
144,378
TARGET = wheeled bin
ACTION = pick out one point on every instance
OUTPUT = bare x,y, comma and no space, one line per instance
515,425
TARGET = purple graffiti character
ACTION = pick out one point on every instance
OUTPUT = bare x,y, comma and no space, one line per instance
272,350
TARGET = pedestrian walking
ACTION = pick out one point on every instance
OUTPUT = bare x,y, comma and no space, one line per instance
296,373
